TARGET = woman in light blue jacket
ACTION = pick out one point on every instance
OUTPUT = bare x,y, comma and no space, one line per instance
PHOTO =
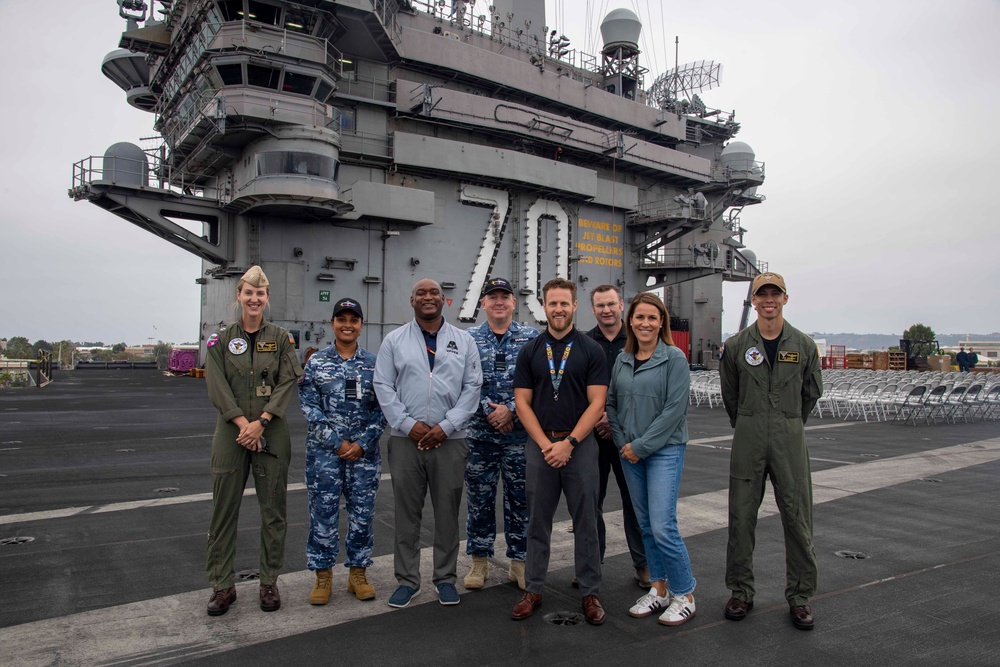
647,409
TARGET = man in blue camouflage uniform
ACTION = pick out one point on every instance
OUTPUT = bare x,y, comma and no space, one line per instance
342,453
496,440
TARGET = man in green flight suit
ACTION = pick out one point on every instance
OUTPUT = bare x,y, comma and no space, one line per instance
771,380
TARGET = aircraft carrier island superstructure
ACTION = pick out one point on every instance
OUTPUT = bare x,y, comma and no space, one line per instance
351,147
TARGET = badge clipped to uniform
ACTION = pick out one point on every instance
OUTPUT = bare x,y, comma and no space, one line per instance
789,357
351,388
263,389
237,346
267,346
500,361
754,357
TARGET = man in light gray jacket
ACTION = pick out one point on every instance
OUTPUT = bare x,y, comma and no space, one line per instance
427,379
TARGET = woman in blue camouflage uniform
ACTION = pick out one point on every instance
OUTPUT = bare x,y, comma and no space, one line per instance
342,454
251,370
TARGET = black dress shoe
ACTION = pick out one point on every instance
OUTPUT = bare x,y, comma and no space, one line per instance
219,603
270,599
802,616
736,610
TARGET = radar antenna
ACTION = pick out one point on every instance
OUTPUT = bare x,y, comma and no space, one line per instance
683,82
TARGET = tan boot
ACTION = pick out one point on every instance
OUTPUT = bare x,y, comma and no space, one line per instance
323,587
357,583
516,573
476,578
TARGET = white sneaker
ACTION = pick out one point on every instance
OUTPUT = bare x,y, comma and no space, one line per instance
681,610
648,604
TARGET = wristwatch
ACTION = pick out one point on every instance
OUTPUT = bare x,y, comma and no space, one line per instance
264,421
571,440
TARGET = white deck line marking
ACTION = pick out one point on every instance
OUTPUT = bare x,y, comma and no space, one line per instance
64,512
176,626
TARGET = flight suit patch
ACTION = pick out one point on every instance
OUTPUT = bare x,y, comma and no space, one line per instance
213,340
791,357
237,346
267,346
754,357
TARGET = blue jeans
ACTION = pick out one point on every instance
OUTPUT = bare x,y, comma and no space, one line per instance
654,483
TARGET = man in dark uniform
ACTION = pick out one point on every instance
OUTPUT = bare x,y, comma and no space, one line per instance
560,387
770,383
608,306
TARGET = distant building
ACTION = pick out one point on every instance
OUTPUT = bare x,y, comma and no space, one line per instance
3,344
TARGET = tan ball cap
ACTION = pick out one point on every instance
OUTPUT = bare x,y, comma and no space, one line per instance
768,279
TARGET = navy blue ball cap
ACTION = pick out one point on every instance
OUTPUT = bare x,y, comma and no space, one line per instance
497,284
348,304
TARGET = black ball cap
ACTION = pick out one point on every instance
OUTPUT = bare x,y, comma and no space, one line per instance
348,304
497,284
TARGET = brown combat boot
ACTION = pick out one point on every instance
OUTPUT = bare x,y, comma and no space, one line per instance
357,583
323,587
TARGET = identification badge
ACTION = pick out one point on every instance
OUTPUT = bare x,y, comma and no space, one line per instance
237,346
351,388
500,361
267,346
754,357
263,390
790,357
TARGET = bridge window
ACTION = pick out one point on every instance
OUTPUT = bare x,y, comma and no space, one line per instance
265,77
231,75
297,162
323,91
300,84
231,10
264,13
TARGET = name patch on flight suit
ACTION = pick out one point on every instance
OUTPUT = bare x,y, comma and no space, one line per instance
791,357
267,346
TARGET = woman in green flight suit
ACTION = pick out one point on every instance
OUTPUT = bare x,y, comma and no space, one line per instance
251,370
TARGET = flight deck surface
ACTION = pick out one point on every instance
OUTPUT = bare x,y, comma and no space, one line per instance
108,472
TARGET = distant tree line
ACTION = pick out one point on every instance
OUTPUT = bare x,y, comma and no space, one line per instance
18,347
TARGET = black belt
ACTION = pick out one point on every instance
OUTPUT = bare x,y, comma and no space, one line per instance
556,436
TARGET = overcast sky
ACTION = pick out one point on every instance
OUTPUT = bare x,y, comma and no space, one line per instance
876,121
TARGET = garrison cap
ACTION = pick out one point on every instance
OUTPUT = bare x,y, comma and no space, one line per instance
255,276
497,284
350,305
768,279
